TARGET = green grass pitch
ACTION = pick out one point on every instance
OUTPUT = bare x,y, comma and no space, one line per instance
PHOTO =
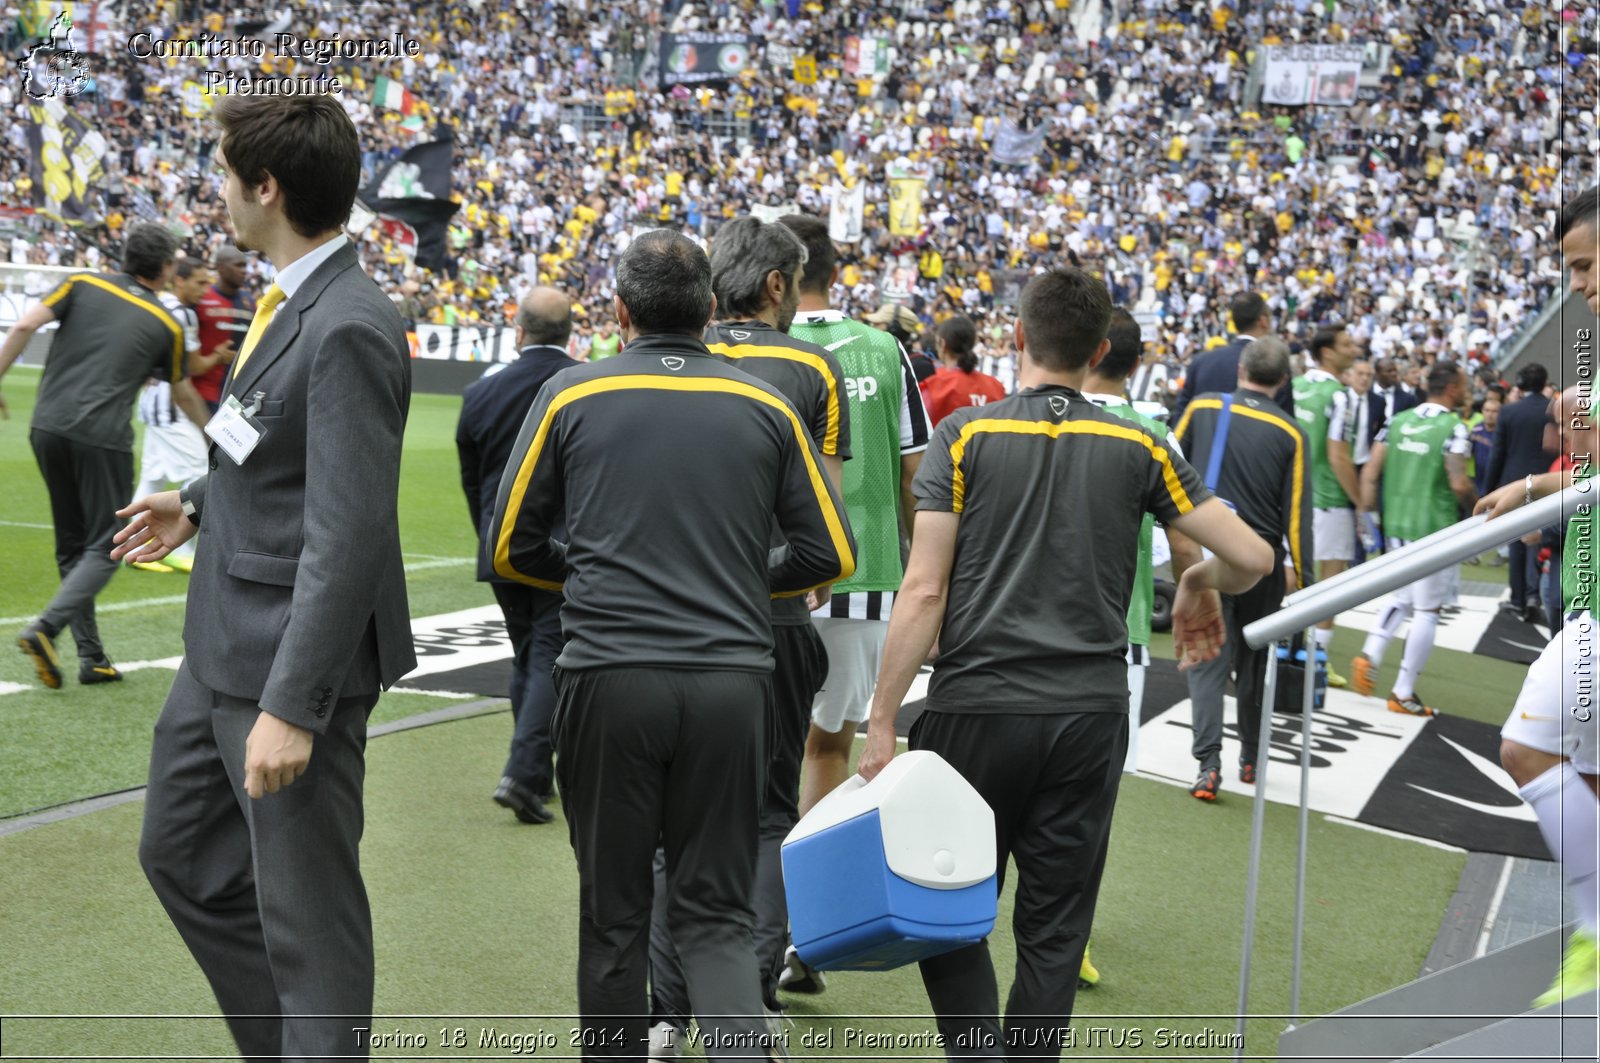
475,915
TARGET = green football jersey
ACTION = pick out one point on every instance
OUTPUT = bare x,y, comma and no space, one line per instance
1319,406
1580,565
875,382
1142,604
1417,500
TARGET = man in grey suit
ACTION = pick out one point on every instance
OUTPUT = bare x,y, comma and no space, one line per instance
297,613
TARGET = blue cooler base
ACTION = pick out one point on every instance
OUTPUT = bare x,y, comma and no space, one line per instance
849,912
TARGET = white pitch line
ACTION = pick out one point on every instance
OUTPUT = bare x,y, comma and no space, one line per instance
458,695
26,524
169,663
179,599
1494,908
1393,834
114,607
440,562
13,688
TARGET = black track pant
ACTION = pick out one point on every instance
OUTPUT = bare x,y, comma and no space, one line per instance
1052,783
679,757
800,664
87,486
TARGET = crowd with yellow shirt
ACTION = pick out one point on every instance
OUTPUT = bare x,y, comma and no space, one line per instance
1151,169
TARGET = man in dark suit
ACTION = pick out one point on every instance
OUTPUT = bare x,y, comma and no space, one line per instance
1387,397
1519,452
297,616
492,411
1218,370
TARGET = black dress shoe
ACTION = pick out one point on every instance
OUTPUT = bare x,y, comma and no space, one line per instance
522,801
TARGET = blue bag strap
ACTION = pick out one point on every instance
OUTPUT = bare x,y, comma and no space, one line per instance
1219,444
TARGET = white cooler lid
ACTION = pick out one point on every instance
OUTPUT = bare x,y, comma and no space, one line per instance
937,830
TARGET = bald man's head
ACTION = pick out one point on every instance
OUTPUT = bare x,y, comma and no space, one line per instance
545,317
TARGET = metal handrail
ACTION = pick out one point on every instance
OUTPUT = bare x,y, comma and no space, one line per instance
1414,561
1304,609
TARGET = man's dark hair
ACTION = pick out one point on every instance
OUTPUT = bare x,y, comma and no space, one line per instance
820,255
664,280
1582,210
1246,309
1324,338
186,267
1266,362
1441,376
1532,378
744,252
1127,343
1065,314
960,336
307,143
147,250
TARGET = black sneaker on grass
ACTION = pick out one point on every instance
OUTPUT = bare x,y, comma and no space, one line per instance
98,670
1206,786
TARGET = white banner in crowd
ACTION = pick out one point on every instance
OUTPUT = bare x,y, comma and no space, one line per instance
845,213
1015,147
465,343
1327,74
768,214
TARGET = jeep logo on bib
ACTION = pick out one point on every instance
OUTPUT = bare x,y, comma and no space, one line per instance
861,388
673,363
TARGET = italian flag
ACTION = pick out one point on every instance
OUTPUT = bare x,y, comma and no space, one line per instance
386,92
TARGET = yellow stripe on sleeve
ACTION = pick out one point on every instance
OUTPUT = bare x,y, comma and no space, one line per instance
830,440
61,292
1054,430
644,382
1198,404
156,310
1298,488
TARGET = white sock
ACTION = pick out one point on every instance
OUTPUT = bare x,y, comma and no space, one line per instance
1324,637
1135,709
1390,618
1419,645
1569,819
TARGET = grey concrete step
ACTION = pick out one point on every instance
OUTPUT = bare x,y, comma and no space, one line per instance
1435,1009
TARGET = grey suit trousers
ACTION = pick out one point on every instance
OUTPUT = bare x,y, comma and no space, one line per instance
266,893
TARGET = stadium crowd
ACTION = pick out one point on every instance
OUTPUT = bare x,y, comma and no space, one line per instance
1412,215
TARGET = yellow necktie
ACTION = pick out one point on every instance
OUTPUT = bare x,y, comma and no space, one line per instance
258,324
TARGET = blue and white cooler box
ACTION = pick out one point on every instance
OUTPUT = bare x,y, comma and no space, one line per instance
885,873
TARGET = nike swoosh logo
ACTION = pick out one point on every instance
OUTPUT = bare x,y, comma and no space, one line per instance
1521,811
836,344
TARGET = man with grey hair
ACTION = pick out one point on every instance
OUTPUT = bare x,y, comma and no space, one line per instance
664,685
755,274
114,334
1257,459
492,411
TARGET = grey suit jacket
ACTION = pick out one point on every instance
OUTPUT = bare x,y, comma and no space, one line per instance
298,596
